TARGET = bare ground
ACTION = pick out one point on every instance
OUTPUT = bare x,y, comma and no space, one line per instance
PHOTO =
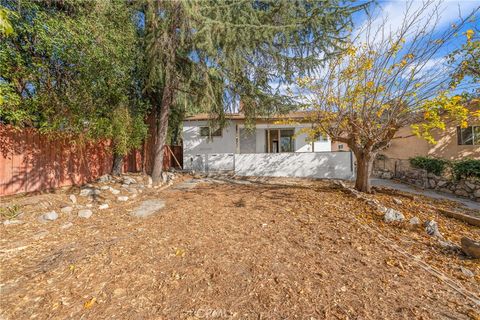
287,249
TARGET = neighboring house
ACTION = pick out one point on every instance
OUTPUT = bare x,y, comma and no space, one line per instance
266,137
453,143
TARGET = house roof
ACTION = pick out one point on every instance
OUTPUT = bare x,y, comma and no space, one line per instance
295,115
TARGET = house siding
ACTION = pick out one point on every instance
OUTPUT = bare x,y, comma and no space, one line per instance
406,145
194,143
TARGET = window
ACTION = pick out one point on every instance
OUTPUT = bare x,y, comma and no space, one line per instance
468,136
320,137
205,131
209,132
280,140
286,140
340,147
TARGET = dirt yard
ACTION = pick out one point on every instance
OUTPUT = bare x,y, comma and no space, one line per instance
286,249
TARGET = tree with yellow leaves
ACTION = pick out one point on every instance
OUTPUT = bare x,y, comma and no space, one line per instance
386,80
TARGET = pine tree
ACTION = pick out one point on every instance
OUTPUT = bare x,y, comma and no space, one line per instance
212,54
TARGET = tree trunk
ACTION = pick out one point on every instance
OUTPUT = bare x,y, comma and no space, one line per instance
117,165
162,130
364,170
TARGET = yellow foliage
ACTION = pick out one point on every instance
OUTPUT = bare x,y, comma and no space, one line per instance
469,33
88,304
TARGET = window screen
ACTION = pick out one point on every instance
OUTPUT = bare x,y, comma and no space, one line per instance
469,135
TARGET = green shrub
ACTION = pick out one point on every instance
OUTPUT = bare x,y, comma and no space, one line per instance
468,168
432,165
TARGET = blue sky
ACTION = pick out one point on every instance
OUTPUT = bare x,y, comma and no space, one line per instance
392,14
394,10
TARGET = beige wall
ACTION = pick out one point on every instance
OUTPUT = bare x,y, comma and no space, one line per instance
406,145
335,146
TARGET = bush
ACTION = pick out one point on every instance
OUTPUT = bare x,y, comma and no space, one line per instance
432,165
467,168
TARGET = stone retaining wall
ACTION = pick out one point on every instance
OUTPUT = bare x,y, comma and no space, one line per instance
418,177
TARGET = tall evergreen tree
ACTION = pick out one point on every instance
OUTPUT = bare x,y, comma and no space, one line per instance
214,53
71,66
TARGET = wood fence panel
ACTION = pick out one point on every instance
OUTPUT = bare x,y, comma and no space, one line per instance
30,161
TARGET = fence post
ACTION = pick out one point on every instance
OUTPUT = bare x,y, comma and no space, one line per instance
206,162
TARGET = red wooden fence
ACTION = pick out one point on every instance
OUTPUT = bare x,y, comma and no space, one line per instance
30,161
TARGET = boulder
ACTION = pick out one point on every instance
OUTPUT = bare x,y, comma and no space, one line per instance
105,188
114,191
467,272
147,208
122,198
461,192
432,183
12,222
73,198
431,227
470,185
165,178
442,183
86,192
128,180
67,225
471,247
49,216
477,193
149,181
446,190
397,201
387,175
104,178
67,209
103,206
414,221
85,213
392,215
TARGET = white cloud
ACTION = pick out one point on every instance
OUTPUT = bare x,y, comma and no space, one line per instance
394,13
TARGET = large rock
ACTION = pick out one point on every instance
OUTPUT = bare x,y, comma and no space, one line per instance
86,192
67,209
104,178
470,185
392,215
477,193
103,206
122,198
12,222
442,183
414,221
85,213
49,216
73,198
147,208
431,227
129,180
471,247
461,192
114,191
149,181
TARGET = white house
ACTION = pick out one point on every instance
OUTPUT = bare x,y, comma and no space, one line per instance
270,149
266,137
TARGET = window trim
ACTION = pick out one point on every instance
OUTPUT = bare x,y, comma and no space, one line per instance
211,133
475,139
